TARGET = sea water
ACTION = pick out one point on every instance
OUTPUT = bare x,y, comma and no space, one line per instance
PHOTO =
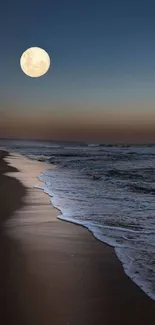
108,189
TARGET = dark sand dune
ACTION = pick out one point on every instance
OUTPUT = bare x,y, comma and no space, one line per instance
11,194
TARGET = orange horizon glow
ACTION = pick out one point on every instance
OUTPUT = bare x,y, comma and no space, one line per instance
106,125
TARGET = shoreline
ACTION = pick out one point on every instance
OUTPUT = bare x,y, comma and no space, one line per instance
79,276
143,285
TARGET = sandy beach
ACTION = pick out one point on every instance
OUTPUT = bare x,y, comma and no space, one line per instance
54,272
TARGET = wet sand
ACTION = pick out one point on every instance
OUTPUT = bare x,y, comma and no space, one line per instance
55,272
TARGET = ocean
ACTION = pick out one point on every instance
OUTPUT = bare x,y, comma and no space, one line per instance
109,189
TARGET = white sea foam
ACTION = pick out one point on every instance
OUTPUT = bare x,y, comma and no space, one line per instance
136,257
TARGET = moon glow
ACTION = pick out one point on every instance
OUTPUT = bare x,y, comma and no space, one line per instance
35,62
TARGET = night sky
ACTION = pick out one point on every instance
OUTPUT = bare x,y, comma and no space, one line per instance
101,84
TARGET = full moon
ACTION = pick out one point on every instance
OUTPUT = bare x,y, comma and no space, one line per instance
35,62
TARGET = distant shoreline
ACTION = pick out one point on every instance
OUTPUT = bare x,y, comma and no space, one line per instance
83,143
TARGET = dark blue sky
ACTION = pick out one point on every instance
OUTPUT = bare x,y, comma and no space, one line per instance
101,51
